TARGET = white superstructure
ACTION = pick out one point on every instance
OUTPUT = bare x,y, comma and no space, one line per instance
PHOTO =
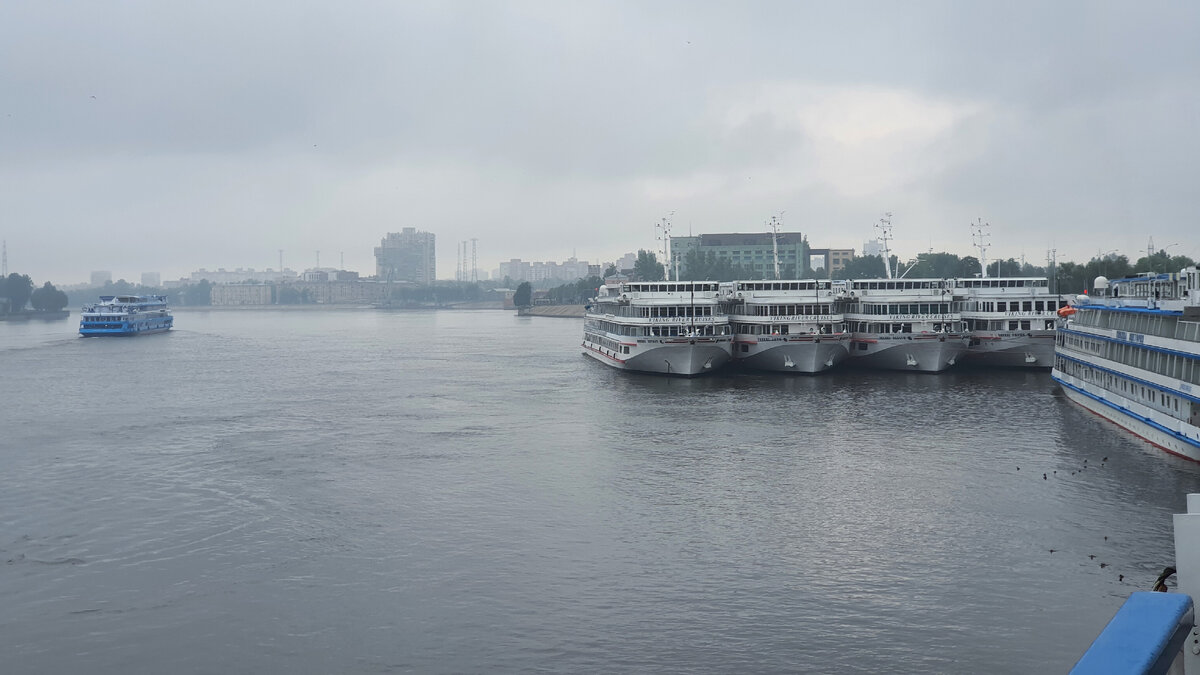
1009,322
903,324
1131,353
669,327
786,326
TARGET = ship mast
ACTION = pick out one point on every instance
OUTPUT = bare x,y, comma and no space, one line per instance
885,235
979,240
665,249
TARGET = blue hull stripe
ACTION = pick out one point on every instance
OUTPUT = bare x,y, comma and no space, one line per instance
1159,387
1128,413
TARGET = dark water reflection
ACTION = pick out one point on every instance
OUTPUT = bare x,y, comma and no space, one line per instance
346,491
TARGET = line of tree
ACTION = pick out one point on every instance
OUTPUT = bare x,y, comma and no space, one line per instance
577,293
1067,277
17,291
442,292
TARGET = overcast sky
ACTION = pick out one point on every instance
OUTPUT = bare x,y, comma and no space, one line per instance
168,136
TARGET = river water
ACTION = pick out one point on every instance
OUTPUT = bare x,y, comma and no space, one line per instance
349,491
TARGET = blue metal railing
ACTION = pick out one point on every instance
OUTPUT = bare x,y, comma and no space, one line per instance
1145,636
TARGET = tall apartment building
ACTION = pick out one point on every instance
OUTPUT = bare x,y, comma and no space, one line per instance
519,270
754,252
239,275
407,255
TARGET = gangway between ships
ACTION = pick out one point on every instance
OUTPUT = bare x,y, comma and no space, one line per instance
667,327
786,326
1130,353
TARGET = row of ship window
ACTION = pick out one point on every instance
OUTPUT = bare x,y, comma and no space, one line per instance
1013,306
964,306
607,343
1162,325
874,327
783,329
878,309
1150,396
669,311
782,310
667,287
660,331
782,285
1009,324
909,308
1002,283
1175,366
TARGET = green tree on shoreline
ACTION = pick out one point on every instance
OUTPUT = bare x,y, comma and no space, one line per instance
17,288
48,298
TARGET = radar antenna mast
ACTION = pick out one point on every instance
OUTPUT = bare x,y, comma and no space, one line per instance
665,249
979,236
885,235
775,223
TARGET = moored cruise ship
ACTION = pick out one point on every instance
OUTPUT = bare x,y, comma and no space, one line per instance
1131,353
126,315
668,327
786,326
1009,322
903,324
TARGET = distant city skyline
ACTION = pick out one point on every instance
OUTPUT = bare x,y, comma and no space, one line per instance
867,247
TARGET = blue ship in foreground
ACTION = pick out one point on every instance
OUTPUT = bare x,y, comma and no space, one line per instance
124,315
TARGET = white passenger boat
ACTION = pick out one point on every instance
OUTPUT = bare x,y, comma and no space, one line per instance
903,324
786,326
1009,322
669,327
1131,354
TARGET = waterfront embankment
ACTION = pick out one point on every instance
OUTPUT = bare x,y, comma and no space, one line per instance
567,311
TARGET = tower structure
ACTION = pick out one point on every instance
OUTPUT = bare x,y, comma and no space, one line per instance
979,235
474,261
885,235
663,230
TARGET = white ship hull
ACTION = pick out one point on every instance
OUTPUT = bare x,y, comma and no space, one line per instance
1011,350
906,352
784,354
684,357
1129,415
